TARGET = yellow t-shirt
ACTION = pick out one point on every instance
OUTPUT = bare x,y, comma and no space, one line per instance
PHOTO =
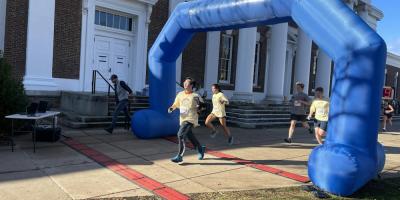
218,107
187,105
321,109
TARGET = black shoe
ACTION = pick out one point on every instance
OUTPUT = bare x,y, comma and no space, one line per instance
109,130
288,140
310,131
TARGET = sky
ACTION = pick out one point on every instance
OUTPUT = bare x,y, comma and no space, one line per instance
389,26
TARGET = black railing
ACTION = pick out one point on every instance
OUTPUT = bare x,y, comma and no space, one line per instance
94,79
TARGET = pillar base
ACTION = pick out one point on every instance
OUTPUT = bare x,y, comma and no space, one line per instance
32,83
243,97
275,99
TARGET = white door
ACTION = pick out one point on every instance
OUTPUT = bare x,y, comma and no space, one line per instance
111,57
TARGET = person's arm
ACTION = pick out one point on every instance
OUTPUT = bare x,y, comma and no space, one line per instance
391,108
126,87
307,101
224,100
175,105
312,111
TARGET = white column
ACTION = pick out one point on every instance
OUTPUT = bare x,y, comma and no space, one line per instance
142,37
323,78
245,65
276,68
3,6
39,49
303,59
212,58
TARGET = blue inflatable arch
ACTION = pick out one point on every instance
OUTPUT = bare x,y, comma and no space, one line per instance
351,155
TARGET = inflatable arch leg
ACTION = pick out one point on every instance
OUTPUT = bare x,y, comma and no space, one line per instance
351,155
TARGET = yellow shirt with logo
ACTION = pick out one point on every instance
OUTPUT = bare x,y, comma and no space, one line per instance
321,109
187,104
218,107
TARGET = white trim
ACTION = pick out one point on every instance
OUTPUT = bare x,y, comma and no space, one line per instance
68,84
3,9
39,46
393,60
138,39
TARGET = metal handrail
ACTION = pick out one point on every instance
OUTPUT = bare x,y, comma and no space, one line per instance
94,78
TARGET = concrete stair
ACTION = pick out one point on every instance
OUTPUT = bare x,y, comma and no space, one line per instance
262,116
242,115
74,120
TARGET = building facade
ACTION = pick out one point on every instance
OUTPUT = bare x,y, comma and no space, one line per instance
55,45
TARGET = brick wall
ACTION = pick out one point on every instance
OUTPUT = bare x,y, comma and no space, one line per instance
390,79
67,39
159,17
193,58
15,36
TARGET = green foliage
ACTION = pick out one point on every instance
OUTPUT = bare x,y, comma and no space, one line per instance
12,95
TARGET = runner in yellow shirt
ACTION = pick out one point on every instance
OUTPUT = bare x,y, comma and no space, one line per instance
187,102
320,107
219,101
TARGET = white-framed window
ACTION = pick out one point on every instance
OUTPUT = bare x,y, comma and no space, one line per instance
256,64
113,20
225,60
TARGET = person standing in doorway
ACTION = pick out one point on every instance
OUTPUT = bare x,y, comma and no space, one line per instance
319,107
219,101
122,93
188,103
299,102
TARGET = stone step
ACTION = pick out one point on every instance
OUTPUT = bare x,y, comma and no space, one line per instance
252,115
244,111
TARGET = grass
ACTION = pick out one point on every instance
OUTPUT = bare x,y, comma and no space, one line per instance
386,189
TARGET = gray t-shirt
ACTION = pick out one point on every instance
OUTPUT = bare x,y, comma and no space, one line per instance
297,107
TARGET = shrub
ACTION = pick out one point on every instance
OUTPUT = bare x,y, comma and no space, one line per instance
12,95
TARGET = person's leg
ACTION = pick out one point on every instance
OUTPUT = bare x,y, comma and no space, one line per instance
181,142
209,120
319,135
305,124
291,131
390,121
118,109
227,132
384,122
196,144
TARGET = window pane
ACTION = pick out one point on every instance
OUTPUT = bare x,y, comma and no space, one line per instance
103,17
116,21
122,24
110,20
97,17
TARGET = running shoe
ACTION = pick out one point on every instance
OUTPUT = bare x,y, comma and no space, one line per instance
230,140
201,152
213,133
177,159
288,140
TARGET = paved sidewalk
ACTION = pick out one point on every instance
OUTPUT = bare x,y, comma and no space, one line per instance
56,171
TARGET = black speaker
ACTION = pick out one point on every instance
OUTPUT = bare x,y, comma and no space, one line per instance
46,133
